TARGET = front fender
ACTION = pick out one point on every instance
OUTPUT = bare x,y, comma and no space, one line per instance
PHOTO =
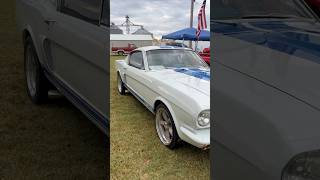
167,104
172,111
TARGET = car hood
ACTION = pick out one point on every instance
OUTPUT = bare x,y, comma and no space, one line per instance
186,79
284,55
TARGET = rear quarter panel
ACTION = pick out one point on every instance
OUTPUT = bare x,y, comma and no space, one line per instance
121,65
30,16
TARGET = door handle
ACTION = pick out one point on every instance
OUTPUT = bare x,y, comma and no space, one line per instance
49,21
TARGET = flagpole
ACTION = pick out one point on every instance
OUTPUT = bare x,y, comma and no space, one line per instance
191,19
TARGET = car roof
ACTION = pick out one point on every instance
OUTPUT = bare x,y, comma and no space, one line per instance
149,48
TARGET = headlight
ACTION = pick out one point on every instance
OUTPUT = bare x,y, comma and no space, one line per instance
305,166
204,118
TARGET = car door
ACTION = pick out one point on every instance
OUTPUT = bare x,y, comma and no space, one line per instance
77,48
134,70
136,76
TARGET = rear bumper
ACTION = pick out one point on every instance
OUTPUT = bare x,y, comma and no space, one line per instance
199,138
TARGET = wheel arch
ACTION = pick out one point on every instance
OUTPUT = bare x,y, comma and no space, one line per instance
160,100
122,51
25,35
28,32
120,74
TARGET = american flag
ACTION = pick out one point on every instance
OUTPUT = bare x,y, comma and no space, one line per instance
202,22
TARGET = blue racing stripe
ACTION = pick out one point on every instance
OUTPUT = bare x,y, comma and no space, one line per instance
276,35
198,73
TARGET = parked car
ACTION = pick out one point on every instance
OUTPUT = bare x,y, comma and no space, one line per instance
65,48
266,95
123,50
205,55
174,84
314,5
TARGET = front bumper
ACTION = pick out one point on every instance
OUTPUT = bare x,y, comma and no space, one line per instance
197,137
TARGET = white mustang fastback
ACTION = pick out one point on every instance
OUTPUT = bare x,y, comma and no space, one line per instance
174,84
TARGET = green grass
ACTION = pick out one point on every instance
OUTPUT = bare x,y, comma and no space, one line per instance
136,151
51,141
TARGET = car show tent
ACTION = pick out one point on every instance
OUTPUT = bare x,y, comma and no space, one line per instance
188,34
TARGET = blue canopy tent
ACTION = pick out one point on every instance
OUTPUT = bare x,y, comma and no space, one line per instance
188,34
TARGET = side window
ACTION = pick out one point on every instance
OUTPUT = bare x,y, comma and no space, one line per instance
105,13
136,60
87,10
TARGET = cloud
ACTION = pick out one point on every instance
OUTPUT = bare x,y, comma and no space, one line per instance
157,16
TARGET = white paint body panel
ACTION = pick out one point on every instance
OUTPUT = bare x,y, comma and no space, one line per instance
184,95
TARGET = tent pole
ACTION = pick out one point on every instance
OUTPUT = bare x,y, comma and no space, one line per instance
196,45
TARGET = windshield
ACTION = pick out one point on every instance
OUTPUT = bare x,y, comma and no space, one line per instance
174,58
242,9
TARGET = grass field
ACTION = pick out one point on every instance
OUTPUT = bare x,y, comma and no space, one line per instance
136,152
53,141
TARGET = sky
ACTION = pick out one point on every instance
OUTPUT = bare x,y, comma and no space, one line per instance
160,17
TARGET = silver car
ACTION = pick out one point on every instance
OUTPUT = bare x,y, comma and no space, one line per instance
65,43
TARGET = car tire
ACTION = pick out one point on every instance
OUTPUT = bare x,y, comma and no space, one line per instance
166,128
36,82
120,53
120,85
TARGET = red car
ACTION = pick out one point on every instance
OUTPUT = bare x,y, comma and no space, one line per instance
123,50
314,5
205,54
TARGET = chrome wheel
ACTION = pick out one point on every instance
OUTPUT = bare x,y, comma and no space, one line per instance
31,71
119,84
37,84
164,126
